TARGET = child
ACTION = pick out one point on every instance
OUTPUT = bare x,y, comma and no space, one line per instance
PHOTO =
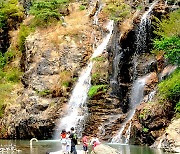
85,144
68,140
94,142
63,141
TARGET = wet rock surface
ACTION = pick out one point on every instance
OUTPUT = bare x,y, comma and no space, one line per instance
104,149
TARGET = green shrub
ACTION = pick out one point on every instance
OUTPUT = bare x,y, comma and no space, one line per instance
13,75
95,89
99,58
171,46
48,10
43,92
169,27
10,13
168,34
117,10
23,33
2,60
177,107
145,130
169,89
82,7
6,58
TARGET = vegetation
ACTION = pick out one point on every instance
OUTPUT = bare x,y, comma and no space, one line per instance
11,14
117,10
65,78
145,130
169,89
43,93
171,46
46,11
8,81
23,33
168,37
95,89
82,7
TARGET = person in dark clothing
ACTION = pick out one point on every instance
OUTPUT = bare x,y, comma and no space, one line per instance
73,137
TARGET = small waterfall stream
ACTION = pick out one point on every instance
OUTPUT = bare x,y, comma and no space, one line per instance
76,109
137,92
142,30
136,98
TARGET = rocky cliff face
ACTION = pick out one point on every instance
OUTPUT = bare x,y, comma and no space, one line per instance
53,59
52,62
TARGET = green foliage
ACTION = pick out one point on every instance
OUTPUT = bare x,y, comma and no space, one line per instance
66,83
2,60
99,59
23,33
43,93
171,26
48,10
10,13
13,75
145,130
169,89
177,107
171,46
6,58
117,10
82,7
5,90
168,32
95,89
95,76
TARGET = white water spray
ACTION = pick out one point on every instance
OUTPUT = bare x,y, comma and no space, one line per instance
76,110
136,98
141,39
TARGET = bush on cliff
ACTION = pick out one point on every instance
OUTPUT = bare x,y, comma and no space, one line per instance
23,33
168,37
117,10
48,11
171,46
11,14
169,89
95,89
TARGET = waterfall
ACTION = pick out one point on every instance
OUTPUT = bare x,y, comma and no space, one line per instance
97,12
137,92
136,97
128,133
142,30
76,110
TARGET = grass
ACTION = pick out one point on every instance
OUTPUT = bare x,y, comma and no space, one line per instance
95,89
169,89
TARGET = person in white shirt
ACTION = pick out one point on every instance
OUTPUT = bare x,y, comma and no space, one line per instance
68,141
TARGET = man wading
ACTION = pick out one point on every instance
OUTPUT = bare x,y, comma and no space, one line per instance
73,137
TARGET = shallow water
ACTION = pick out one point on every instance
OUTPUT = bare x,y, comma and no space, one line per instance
46,146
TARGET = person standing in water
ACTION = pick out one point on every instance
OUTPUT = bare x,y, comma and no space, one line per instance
73,137
63,141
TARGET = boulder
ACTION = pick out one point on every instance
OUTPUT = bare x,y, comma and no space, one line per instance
105,149
170,140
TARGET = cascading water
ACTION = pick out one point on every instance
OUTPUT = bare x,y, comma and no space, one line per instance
138,85
97,12
136,98
142,30
76,110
